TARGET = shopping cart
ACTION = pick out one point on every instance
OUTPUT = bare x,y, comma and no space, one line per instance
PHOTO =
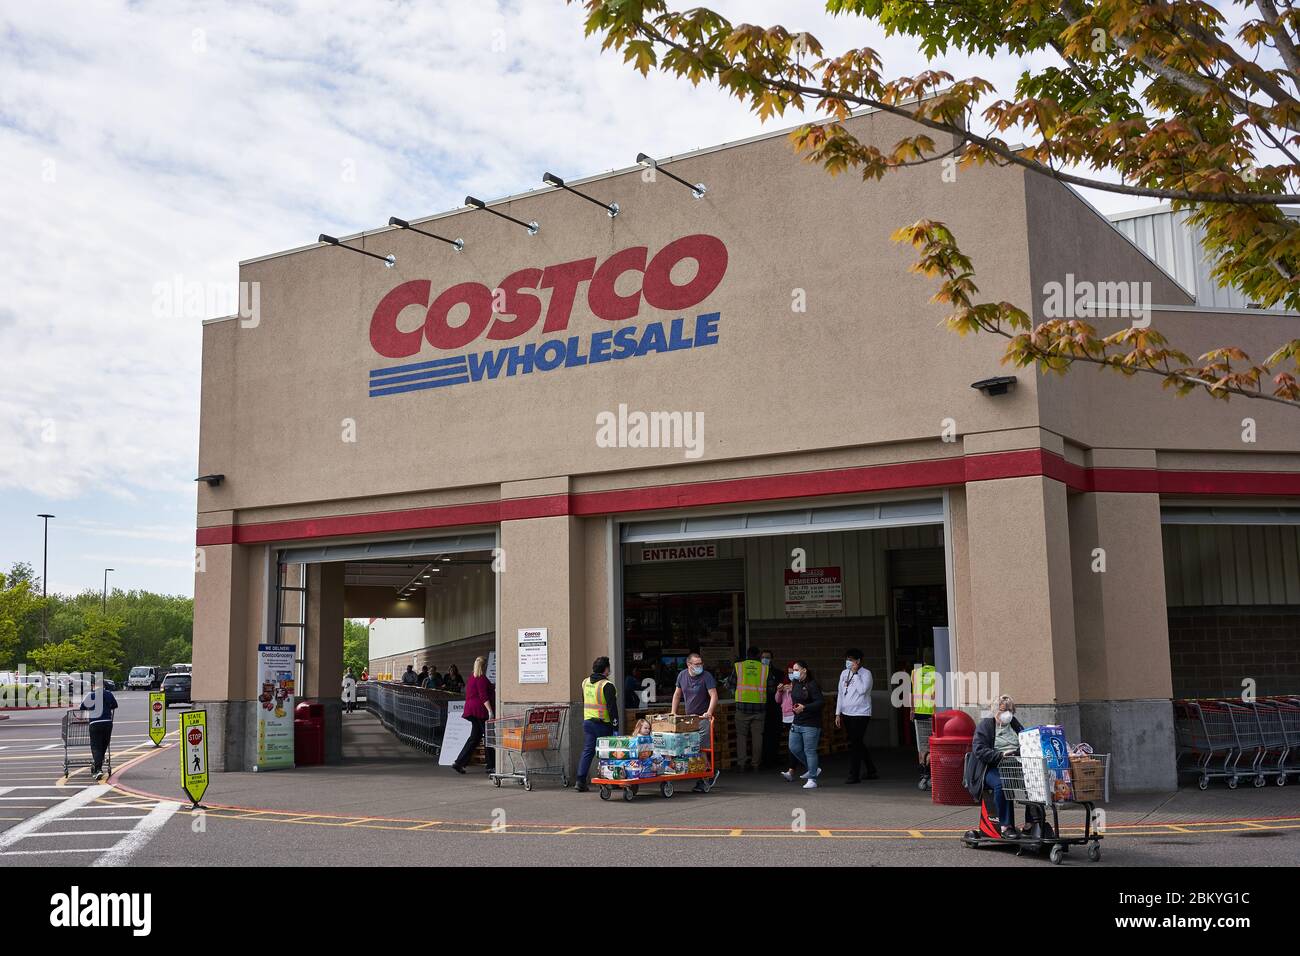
528,743
76,744
1205,735
921,726
1288,709
1026,781
667,783
1274,747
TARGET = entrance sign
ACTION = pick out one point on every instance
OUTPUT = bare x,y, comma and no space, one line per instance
194,754
678,552
157,717
275,669
533,656
454,734
814,592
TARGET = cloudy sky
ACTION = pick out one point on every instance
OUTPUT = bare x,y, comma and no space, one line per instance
151,146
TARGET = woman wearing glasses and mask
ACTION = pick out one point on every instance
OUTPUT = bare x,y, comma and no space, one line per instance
996,737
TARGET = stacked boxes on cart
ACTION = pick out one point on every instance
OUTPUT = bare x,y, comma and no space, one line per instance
1053,773
665,752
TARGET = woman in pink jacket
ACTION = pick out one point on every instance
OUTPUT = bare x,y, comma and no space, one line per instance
787,718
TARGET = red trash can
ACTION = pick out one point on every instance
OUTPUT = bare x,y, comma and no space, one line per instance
950,740
309,733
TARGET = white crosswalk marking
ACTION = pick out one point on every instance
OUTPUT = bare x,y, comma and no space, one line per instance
15,833
141,834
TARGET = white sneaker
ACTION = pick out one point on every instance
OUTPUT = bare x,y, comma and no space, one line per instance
804,775
787,775
810,785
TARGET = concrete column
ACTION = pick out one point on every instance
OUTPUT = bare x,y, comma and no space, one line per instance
1021,603
227,608
1122,633
323,658
542,586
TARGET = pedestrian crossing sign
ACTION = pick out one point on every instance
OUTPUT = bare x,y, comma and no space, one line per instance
157,717
194,754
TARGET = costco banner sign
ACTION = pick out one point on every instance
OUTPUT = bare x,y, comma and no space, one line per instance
471,316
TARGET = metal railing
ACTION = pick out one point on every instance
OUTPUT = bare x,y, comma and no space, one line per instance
416,716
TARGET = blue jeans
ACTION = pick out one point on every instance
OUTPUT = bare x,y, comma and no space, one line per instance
803,746
591,729
993,781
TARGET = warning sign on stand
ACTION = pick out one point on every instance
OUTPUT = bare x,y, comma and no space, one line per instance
194,754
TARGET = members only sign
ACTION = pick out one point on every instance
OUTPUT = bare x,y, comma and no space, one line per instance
816,591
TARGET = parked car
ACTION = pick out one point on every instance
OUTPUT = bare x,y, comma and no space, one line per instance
144,677
181,669
176,688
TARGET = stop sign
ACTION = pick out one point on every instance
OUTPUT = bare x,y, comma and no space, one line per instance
157,706
195,736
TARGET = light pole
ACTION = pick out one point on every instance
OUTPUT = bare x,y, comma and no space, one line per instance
103,604
45,577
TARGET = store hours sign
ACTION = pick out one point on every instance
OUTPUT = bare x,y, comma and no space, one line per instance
814,592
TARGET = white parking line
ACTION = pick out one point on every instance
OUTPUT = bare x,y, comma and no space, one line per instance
66,833
4,790
89,849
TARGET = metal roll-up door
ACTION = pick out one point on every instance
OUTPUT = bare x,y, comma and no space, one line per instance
671,577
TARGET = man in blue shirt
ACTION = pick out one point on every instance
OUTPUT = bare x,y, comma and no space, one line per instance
100,704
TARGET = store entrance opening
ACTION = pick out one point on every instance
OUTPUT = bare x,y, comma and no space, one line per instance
800,595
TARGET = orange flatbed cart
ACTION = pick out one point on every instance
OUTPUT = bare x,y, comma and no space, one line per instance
666,782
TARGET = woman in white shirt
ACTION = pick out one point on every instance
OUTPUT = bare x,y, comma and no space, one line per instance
853,713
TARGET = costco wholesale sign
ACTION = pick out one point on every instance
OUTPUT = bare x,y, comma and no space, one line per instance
471,313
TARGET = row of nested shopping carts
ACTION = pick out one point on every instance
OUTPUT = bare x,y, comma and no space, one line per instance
1235,740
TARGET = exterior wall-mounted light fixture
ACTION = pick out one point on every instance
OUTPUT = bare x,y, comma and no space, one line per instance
532,227
389,260
697,189
996,386
458,244
211,480
553,180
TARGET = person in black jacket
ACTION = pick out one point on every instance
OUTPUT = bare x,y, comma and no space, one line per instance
996,738
806,731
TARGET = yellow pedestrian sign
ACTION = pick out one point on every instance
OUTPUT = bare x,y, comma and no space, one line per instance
157,717
194,754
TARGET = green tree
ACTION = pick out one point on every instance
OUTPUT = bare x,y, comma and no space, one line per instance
178,650
20,615
1166,100
356,645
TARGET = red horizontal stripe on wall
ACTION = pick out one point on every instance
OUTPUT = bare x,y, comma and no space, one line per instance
934,473
919,474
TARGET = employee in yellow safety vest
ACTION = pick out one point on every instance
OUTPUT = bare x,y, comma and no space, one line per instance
923,689
599,715
752,694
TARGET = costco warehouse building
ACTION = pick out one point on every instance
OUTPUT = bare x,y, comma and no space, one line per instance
383,431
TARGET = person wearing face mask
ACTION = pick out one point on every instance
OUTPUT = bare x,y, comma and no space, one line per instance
806,729
699,691
853,713
996,737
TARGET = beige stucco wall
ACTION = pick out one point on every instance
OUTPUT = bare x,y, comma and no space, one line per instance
287,385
